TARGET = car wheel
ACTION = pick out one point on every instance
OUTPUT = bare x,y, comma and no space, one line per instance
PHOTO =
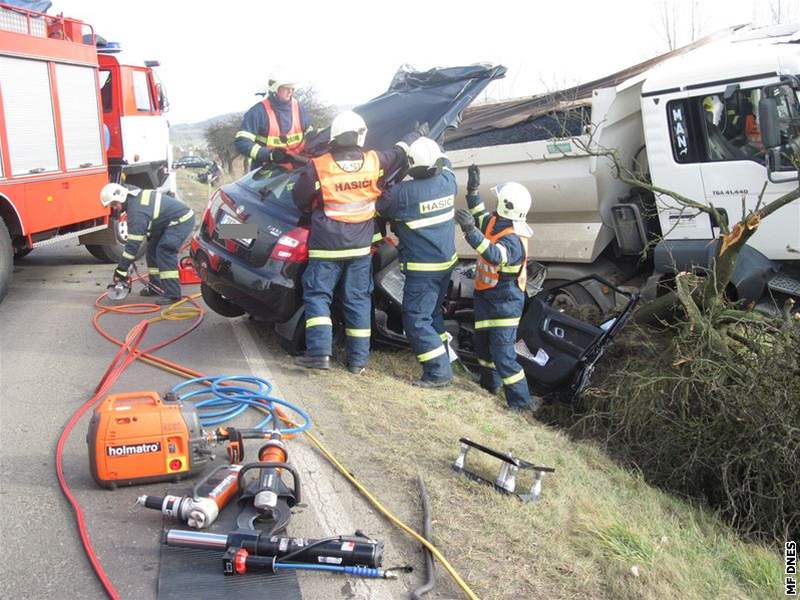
21,253
218,303
296,344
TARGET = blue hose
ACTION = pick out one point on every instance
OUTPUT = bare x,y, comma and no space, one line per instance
224,397
357,571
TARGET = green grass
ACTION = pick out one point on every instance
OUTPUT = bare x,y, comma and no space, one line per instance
598,531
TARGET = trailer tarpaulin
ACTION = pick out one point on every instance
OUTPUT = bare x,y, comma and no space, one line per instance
35,5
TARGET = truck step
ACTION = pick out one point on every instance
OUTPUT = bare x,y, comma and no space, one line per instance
785,284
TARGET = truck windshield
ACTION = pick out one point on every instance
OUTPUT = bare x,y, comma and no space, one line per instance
732,129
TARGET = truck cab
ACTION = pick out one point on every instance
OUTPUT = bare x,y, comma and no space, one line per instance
701,120
134,105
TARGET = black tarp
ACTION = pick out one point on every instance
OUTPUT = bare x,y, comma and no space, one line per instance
436,97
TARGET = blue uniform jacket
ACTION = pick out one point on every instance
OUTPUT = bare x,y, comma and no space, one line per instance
149,211
256,123
421,211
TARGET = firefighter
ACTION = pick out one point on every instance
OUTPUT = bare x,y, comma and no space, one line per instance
501,241
273,126
165,222
421,212
339,189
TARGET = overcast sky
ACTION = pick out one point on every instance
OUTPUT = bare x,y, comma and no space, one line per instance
215,56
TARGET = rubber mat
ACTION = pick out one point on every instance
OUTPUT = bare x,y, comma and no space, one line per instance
197,574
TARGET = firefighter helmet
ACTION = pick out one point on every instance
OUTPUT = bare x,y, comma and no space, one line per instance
513,201
113,192
351,123
424,152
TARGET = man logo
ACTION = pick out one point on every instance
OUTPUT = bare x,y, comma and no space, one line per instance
134,449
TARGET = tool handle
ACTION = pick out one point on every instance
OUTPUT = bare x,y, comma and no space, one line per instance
498,455
271,465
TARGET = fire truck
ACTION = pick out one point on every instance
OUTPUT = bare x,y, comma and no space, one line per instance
72,117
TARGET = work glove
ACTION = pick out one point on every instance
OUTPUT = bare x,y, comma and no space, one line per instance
465,220
121,278
473,179
278,155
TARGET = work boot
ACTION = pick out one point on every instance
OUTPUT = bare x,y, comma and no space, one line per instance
148,291
165,300
431,383
356,369
313,362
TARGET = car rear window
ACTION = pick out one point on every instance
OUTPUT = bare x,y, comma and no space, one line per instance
275,188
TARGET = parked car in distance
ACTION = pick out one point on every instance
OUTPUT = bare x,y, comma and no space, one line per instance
192,162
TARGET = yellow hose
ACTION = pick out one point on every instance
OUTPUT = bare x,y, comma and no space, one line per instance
177,313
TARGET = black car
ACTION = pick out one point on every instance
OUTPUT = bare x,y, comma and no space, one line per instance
193,162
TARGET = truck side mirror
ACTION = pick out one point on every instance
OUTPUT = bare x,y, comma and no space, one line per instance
769,122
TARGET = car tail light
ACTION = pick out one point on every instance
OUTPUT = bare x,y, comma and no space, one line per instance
292,246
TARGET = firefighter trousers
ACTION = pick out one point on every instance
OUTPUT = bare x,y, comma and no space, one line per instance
162,257
424,323
497,314
353,278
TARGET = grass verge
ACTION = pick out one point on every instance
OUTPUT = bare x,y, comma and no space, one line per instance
599,531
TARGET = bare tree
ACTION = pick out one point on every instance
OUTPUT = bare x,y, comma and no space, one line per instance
219,138
678,26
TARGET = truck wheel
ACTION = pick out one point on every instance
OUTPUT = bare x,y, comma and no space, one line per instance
218,303
571,297
6,260
112,253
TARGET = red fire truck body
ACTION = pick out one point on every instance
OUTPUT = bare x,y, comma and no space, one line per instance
70,121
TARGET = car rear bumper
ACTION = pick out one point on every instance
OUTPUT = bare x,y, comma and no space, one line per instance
267,292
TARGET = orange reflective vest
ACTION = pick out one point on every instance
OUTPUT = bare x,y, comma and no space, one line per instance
349,196
487,275
293,140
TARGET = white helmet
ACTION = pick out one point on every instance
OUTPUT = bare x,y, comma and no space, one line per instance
424,152
349,122
513,201
113,192
279,79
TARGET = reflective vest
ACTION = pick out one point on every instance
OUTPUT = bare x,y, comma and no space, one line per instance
293,140
487,275
349,196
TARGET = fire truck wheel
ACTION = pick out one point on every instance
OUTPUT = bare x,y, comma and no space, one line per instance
111,253
6,260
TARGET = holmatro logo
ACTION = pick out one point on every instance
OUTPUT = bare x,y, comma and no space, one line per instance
146,448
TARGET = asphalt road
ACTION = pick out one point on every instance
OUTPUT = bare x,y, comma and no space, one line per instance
50,361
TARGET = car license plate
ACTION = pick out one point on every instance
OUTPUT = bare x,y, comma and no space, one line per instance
227,219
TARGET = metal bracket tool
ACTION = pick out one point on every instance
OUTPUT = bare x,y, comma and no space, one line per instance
506,480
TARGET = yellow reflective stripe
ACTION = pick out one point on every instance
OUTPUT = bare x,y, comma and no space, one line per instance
426,356
246,135
128,255
478,209
428,221
261,139
315,321
157,206
377,238
510,269
361,333
482,246
123,272
443,337
182,219
512,379
486,363
443,266
351,253
145,198
254,149
487,323
168,274
135,238
279,143
152,270
482,218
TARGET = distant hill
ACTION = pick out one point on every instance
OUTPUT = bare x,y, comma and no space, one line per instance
193,134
